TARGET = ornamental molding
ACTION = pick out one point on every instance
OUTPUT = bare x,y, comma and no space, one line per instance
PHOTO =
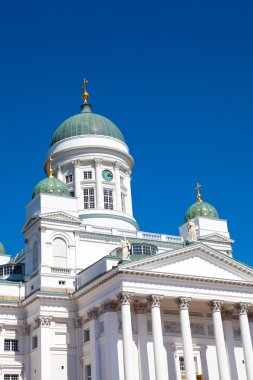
183,303
98,161
141,308
92,314
125,298
215,305
199,249
110,306
116,165
154,300
216,238
43,321
242,308
61,216
76,163
227,315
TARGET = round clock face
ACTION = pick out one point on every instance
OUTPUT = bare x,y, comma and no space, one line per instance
107,175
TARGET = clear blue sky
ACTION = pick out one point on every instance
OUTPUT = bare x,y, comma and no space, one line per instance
175,76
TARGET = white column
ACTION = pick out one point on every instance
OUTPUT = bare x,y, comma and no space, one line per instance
250,318
161,370
111,372
99,187
219,339
129,207
44,340
242,308
94,345
59,173
116,166
229,341
125,300
183,305
140,310
77,184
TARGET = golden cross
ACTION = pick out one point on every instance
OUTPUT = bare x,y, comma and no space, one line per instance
50,169
85,94
198,186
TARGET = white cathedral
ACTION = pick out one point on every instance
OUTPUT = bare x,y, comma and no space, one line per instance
91,296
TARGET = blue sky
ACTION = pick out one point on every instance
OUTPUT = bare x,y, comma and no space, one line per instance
175,76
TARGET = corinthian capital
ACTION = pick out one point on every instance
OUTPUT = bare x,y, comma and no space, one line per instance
109,306
116,165
154,300
216,305
242,308
43,321
183,303
125,298
98,161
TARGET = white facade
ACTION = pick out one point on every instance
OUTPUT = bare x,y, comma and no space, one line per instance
72,308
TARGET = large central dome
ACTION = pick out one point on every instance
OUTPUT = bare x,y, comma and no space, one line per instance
86,123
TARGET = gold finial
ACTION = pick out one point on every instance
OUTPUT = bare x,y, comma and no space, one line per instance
50,169
85,94
198,186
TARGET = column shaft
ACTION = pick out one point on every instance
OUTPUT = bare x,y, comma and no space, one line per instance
229,341
94,349
183,304
129,207
117,186
111,372
159,350
219,339
99,187
125,299
246,338
142,342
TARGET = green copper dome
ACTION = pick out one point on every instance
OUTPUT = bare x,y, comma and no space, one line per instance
86,123
51,185
2,249
201,209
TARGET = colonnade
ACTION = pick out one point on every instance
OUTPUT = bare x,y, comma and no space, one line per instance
98,165
224,347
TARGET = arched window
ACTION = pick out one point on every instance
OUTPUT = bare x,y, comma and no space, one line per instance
35,256
59,253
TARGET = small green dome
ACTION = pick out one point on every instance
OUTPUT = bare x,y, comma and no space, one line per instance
201,209
51,185
2,249
86,123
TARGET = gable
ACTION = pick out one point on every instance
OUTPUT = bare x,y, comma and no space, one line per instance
196,261
216,238
61,217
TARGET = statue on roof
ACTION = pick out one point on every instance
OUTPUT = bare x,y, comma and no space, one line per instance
125,246
192,230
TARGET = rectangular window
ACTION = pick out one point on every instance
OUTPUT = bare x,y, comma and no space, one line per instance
10,377
181,364
89,198
123,206
10,345
86,335
108,199
88,372
69,178
72,193
87,175
34,342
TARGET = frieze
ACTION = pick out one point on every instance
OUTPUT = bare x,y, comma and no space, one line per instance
183,303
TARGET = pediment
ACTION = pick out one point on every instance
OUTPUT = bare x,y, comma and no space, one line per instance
195,261
62,217
216,238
